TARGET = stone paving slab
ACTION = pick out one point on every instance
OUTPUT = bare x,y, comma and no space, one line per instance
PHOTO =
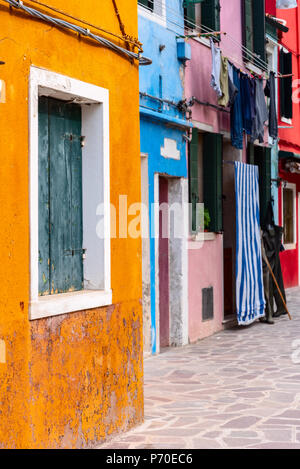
237,389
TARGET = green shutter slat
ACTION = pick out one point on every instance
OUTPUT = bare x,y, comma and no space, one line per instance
76,197
248,25
213,179
193,177
259,37
210,14
44,247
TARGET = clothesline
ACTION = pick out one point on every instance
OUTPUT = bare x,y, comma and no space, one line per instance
216,33
246,97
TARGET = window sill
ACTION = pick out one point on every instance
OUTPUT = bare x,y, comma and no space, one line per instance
289,247
204,236
250,66
202,40
54,305
286,121
151,15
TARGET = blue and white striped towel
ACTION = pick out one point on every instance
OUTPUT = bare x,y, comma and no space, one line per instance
250,299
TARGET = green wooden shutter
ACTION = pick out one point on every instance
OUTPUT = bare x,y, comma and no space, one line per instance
286,103
186,3
259,29
248,26
210,14
190,16
213,179
193,178
261,157
63,183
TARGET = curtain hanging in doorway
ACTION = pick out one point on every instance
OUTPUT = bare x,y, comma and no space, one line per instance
250,300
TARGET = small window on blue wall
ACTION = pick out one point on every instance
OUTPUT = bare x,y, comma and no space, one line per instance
149,4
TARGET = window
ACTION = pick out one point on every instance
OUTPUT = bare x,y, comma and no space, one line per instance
202,12
205,178
254,30
149,4
289,215
69,195
155,10
285,67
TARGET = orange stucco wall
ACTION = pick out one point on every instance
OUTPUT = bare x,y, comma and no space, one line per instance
70,380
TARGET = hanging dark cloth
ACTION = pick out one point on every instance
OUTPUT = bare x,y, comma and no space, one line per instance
232,89
272,237
236,117
261,115
246,103
270,92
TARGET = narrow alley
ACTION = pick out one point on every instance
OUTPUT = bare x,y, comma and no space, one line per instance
237,389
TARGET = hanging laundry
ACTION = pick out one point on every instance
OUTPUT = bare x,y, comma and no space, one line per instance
261,115
252,98
223,100
285,4
236,118
250,300
246,103
216,68
270,92
232,89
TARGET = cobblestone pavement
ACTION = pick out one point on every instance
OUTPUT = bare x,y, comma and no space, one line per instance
237,389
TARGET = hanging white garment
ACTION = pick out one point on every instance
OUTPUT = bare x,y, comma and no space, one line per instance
285,4
216,68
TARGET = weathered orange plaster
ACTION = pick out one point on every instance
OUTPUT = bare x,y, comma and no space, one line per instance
71,380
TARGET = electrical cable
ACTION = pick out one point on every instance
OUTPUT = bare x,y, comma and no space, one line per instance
135,43
247,55
18,4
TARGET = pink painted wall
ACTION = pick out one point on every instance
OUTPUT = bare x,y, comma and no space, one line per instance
205,270
198,70
206,263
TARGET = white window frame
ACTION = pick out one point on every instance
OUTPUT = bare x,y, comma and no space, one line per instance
272,50
289,185
94,101
158,15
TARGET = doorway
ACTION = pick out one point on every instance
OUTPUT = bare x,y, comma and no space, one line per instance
171,261
164,305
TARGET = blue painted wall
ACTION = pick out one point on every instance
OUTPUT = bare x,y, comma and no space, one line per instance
162,80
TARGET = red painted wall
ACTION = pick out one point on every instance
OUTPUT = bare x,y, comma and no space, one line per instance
271,7
289,257
289,138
